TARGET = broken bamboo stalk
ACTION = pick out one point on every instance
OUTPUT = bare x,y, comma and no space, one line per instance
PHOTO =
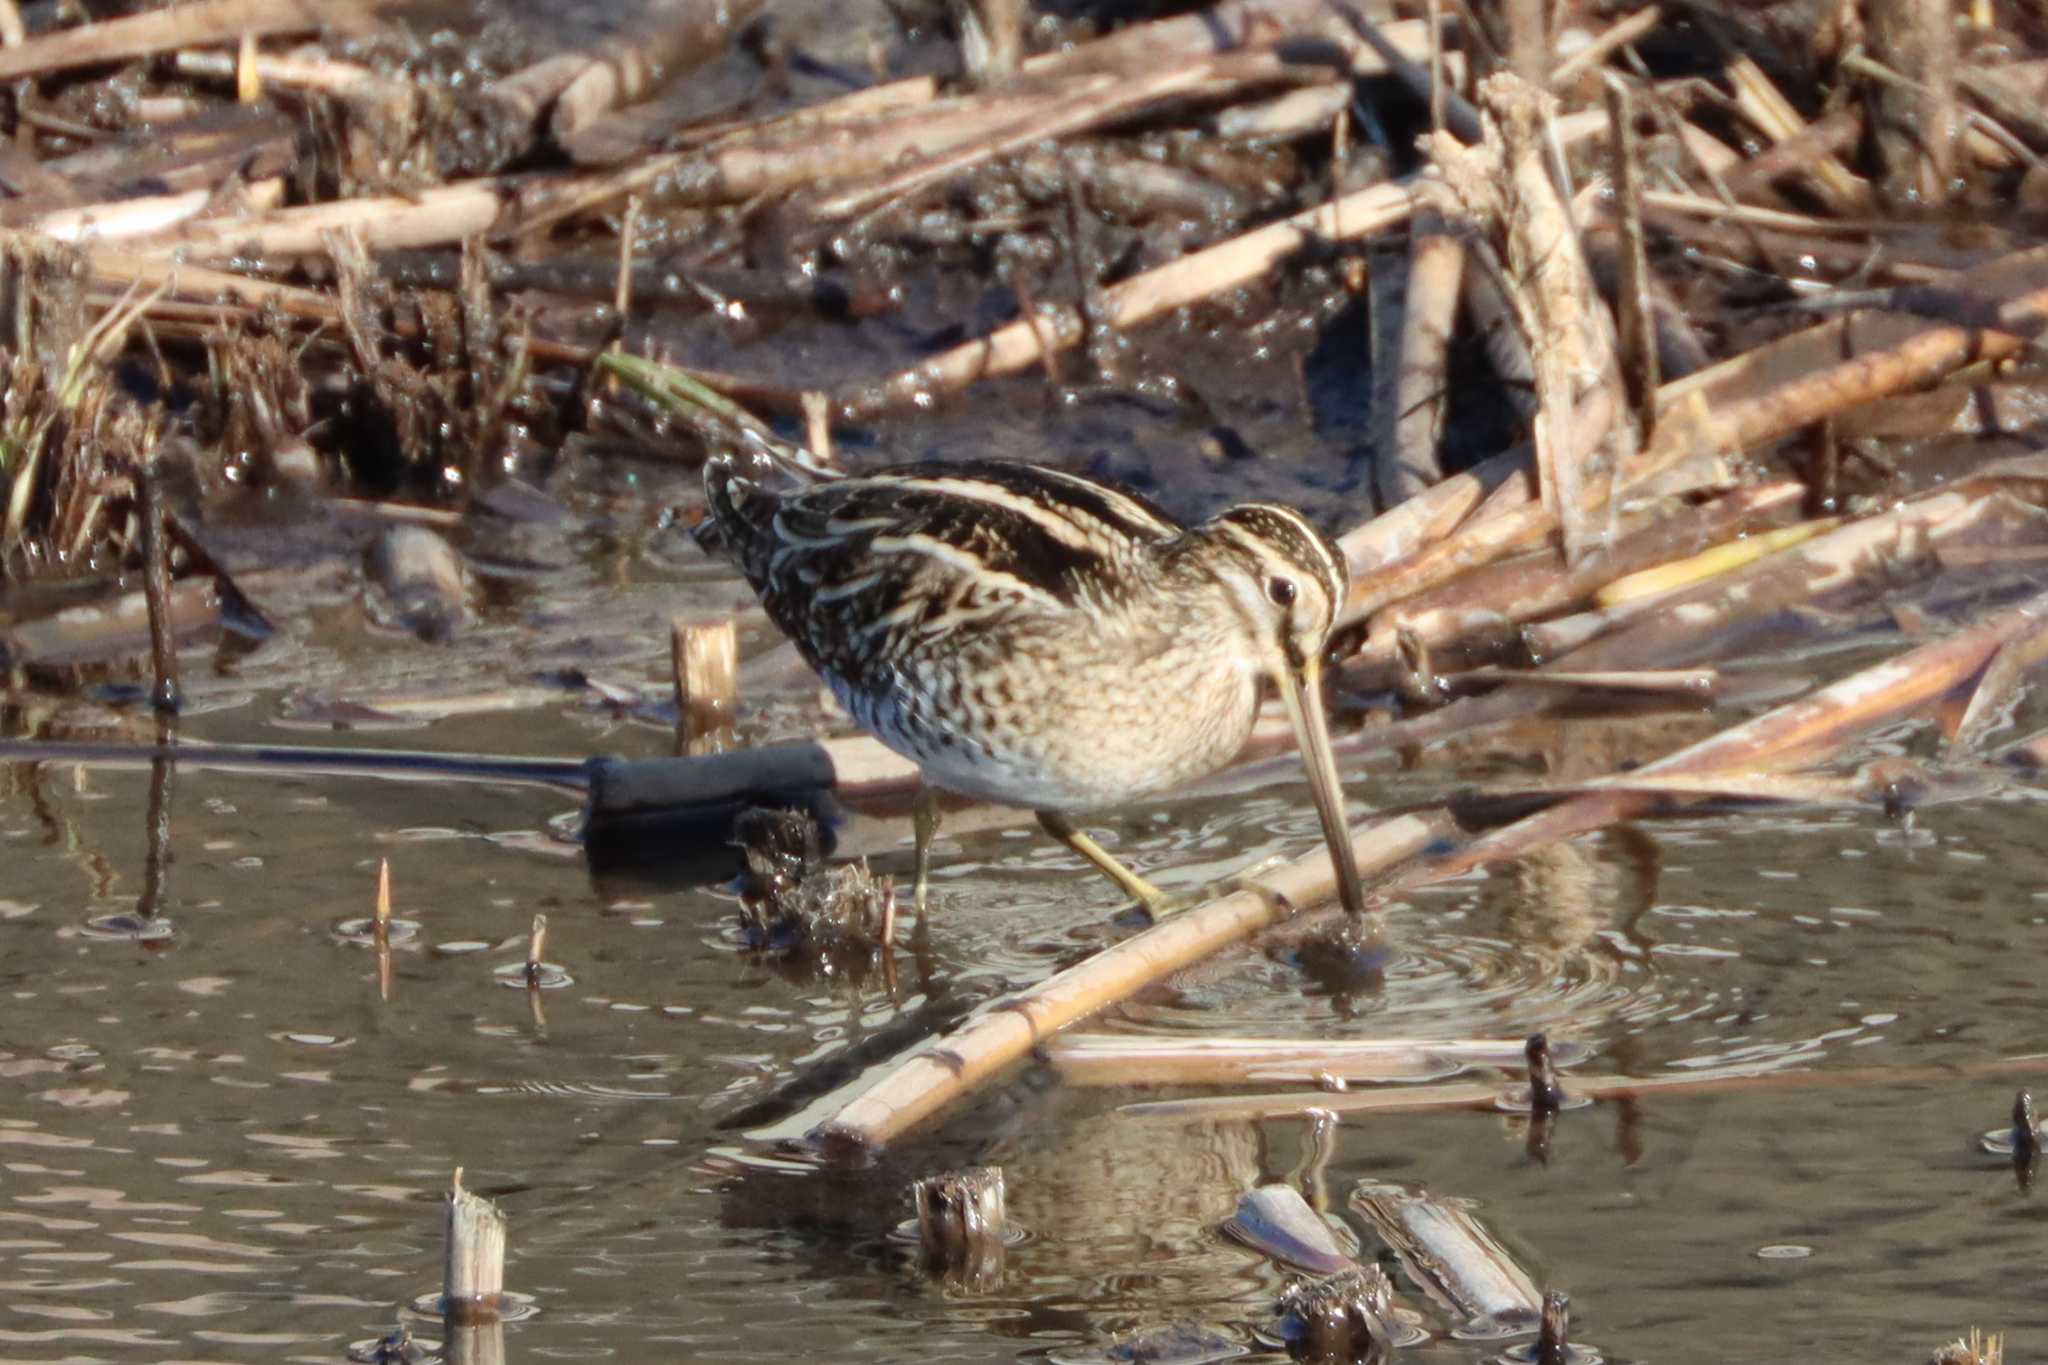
945,1070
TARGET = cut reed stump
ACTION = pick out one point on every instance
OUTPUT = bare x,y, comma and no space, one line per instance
473,1273
705,658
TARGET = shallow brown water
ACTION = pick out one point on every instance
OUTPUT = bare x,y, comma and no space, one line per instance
225,1146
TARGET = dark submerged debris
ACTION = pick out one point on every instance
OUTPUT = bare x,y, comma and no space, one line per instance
1342,961
395,1347
1344,1319
792,904
454,406
963,1224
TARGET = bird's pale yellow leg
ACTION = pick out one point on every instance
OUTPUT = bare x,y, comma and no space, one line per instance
924,819
1156,902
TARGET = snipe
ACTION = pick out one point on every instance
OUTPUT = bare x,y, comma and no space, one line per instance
1042,639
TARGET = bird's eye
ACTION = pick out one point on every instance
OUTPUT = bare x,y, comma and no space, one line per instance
1281,590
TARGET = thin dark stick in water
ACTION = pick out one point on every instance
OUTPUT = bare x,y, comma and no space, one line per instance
156,868
156,582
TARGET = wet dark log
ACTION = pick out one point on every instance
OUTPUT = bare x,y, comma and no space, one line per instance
1342,1320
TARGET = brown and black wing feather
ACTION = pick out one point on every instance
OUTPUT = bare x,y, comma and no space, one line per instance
882,565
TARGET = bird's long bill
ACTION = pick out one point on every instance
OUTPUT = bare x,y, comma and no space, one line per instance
1303,693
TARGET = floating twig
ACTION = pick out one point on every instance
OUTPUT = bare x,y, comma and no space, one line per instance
1125,1059
1421,1099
